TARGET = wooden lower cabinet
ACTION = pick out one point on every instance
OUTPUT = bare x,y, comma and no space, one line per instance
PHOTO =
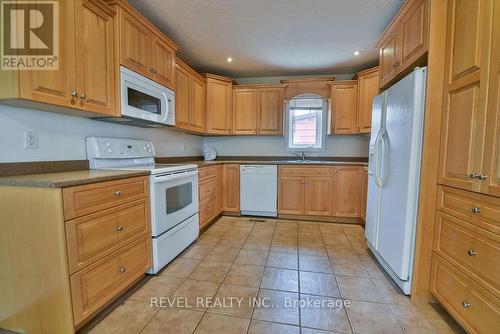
93,287
291,195
320,191
231,188
364,192
318,196
210,189
347,191
476,309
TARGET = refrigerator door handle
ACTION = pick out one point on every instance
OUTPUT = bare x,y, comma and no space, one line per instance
382,173
376,174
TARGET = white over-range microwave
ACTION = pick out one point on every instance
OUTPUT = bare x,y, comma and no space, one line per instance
143,102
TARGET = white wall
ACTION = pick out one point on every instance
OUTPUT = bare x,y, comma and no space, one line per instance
62,137
336,146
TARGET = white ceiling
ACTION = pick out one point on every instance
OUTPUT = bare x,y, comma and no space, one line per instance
273,37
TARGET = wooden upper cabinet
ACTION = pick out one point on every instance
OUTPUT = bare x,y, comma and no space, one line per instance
491,163
368,83
197,104
134,44
182,83
141,47
465,104
389,58
55,86
95,64
162,62
344,107
231,187
85,79
270,110
189,98
318,195
347,186
218,105
291,196
245,111
404,44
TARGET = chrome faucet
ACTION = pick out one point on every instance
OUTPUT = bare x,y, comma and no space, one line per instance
302,155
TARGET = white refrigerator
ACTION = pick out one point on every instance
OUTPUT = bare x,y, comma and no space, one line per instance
394,175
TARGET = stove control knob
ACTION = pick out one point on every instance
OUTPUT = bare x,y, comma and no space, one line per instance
150,151
109,150
107,144
144,148
148,145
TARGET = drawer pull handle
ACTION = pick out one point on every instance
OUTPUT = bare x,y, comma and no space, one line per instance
482,177
473,175
471,252
119,228
476,210
118,193
122,269
465,304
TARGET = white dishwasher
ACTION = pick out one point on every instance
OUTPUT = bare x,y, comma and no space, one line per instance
259,190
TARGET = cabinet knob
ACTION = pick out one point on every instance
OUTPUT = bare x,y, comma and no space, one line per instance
119,228
396,64
74,93
465,304
118,193
476,210
471,252
122,269
482,177
83,97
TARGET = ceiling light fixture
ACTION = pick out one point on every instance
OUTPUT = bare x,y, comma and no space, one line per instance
356,53
229,59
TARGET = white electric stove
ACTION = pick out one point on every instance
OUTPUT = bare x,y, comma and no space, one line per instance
173,192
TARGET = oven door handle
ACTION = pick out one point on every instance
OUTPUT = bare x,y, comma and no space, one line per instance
177,176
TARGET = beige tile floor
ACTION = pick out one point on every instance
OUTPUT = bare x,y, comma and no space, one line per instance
319,278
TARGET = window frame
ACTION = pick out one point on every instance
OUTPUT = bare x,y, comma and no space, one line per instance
320,128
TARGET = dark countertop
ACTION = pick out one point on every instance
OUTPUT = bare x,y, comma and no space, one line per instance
67,179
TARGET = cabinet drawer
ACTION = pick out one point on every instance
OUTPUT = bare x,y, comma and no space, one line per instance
304,171
208,211
92,237
93,287
476,309
207,172
207,189
474,250
479,210
90,198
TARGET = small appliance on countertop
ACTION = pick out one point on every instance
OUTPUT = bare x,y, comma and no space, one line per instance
173,192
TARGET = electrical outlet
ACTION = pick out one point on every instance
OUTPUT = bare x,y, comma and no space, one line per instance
30,139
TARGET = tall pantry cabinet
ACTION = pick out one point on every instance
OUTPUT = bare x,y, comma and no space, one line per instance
464,274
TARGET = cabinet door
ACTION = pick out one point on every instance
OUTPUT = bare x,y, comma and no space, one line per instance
56,86
318,195
347,192
344,106
291,195
367,89
134,44
270,111
491,165
95,65
182,83
467,53
218,106
415,33
162,62
231,188
389,59
197,105
245,111
219,178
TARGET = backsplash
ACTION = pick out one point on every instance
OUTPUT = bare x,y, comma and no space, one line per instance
62,137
